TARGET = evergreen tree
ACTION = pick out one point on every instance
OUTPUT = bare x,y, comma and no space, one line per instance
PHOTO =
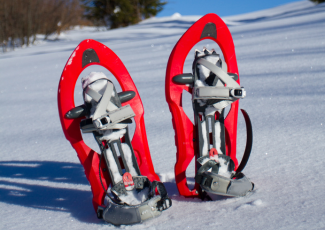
118,13
318,1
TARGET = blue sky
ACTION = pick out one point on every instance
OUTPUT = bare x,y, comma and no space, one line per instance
220,7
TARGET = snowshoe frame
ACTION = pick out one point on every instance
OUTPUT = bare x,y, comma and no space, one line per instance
210,27
90,52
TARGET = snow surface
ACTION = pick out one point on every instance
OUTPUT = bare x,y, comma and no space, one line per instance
281,61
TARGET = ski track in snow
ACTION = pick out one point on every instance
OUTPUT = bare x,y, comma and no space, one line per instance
280,54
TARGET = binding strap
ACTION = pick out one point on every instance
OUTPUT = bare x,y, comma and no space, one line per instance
220,73
108,115
165,201
140,182
125,215
118,214
220,185
229,94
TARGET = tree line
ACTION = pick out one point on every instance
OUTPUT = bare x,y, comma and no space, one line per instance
22,20
117,13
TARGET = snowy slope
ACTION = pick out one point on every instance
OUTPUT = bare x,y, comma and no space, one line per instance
281,58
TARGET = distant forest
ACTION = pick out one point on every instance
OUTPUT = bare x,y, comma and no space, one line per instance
22,20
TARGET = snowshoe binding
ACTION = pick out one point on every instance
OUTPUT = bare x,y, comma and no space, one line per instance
214,85
106,114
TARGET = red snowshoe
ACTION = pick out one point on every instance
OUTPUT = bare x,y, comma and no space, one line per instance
127,167
214,85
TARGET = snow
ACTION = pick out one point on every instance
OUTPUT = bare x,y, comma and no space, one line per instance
217,129
205,141
92,77
113,166
281,64
110,135
176,15
128,158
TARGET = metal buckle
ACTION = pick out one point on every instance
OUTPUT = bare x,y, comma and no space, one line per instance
102,121
238,93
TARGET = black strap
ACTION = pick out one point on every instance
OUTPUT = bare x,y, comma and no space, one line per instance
162,204
249,143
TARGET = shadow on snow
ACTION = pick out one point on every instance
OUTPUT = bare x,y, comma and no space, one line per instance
34,193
